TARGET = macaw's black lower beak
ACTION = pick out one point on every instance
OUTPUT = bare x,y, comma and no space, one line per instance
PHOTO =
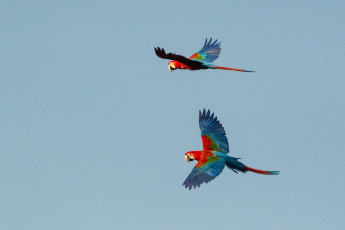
171,68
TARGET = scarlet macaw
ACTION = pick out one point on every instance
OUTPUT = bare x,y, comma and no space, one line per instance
200,60
213,158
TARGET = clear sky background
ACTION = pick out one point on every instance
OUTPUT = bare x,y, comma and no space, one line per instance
94,127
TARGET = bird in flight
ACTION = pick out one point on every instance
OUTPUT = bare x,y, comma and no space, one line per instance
200,60
213,158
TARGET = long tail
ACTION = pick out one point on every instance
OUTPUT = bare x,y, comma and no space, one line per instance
235,165
226,68
261,171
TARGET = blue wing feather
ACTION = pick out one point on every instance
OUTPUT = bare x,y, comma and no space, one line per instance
209,52
206,173
213,129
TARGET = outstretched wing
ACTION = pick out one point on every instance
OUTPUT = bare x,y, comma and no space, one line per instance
191,63
212,133
209,52
205,170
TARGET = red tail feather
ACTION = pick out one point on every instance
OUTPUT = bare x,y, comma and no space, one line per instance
261,171
226,68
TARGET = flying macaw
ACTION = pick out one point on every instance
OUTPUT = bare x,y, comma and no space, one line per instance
213,158
200,60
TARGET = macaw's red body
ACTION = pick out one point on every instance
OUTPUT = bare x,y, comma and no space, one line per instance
213,158
200,60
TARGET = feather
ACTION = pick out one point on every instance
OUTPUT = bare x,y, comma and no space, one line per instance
212,133
209,52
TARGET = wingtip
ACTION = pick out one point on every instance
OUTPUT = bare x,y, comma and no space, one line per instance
189,186
210,43
157,51
211,117
160,52
205,113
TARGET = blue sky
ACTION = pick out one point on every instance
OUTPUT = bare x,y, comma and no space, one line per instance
94,127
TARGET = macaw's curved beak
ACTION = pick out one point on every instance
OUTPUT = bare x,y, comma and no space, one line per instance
187,158
170,68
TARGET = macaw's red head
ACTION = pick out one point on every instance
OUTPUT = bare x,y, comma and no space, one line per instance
173,65
189,157
192,155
